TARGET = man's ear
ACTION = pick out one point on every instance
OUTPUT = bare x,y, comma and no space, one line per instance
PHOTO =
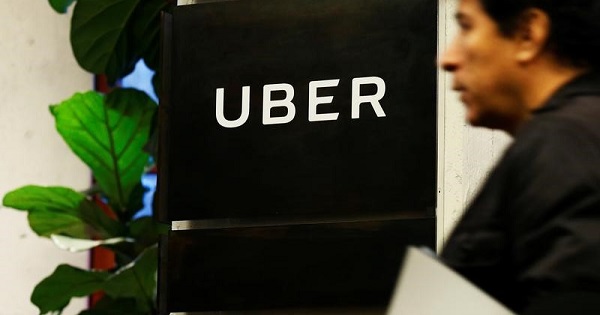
532,34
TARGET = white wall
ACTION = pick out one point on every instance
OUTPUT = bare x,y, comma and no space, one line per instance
36,69
466,154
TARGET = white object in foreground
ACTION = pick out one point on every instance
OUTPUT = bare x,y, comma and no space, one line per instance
428,287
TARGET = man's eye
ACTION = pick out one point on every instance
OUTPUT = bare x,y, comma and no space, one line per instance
464,26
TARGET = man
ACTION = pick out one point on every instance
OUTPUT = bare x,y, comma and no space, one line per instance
531,238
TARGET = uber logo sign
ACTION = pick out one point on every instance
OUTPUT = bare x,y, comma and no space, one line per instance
283,108
299,137
313,101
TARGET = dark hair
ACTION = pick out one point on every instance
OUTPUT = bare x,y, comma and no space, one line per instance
574,26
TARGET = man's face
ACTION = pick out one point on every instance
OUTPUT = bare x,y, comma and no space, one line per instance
485,69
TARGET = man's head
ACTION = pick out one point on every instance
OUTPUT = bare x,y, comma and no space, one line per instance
511,55
574,29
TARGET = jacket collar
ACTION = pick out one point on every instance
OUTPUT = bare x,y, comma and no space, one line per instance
585,84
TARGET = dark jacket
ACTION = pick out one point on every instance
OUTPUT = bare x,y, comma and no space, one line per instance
531,238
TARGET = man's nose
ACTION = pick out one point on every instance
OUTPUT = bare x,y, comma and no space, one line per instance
449,59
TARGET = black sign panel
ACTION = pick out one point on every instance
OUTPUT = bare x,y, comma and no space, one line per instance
341,265
276,108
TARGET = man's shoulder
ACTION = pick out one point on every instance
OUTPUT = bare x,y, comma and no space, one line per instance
562,142
575,122
578,109
576,104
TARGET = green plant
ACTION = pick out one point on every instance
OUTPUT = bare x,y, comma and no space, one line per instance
108,133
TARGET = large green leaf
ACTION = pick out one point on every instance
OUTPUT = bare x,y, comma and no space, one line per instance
61,6
145,25
61,210
100,36
109,37
55,292
48,223
108,134
146,231
134,282
97,217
